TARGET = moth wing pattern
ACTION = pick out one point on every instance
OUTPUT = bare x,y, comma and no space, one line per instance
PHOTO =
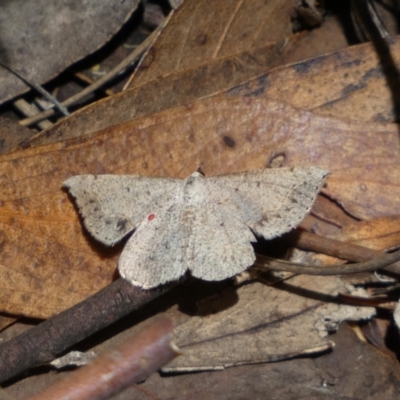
205,225
212,245
270,201
220,244
113,205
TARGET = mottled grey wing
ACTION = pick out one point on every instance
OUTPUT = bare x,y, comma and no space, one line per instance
270,201
156,253
113,205
219,244
201,238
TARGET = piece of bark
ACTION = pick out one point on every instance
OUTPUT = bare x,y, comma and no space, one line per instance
74,358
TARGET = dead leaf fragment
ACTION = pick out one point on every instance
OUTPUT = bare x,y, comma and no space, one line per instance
354,370
74,358
264,324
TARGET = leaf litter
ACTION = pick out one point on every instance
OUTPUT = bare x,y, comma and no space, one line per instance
205,75
170,174
349,372
37,217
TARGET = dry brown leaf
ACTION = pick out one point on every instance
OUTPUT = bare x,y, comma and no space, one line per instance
376,192
378,233
201,31
327,217
47,42
47,264
347,84
162,93
204,78
350,83
263,324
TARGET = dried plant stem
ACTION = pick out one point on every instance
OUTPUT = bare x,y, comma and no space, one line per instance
29,110
267,263
48,339
345,250
38,88
116,369
366,301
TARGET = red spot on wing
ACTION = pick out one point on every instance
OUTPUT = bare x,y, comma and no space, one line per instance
151,217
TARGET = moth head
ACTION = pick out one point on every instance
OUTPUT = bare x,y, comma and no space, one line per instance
195,175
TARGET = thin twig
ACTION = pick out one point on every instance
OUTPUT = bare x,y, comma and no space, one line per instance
88,81
28,110
38,88
48,339
365,301
345,250
113,371
267,263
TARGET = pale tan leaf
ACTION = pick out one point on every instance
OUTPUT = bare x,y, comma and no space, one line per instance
263,324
